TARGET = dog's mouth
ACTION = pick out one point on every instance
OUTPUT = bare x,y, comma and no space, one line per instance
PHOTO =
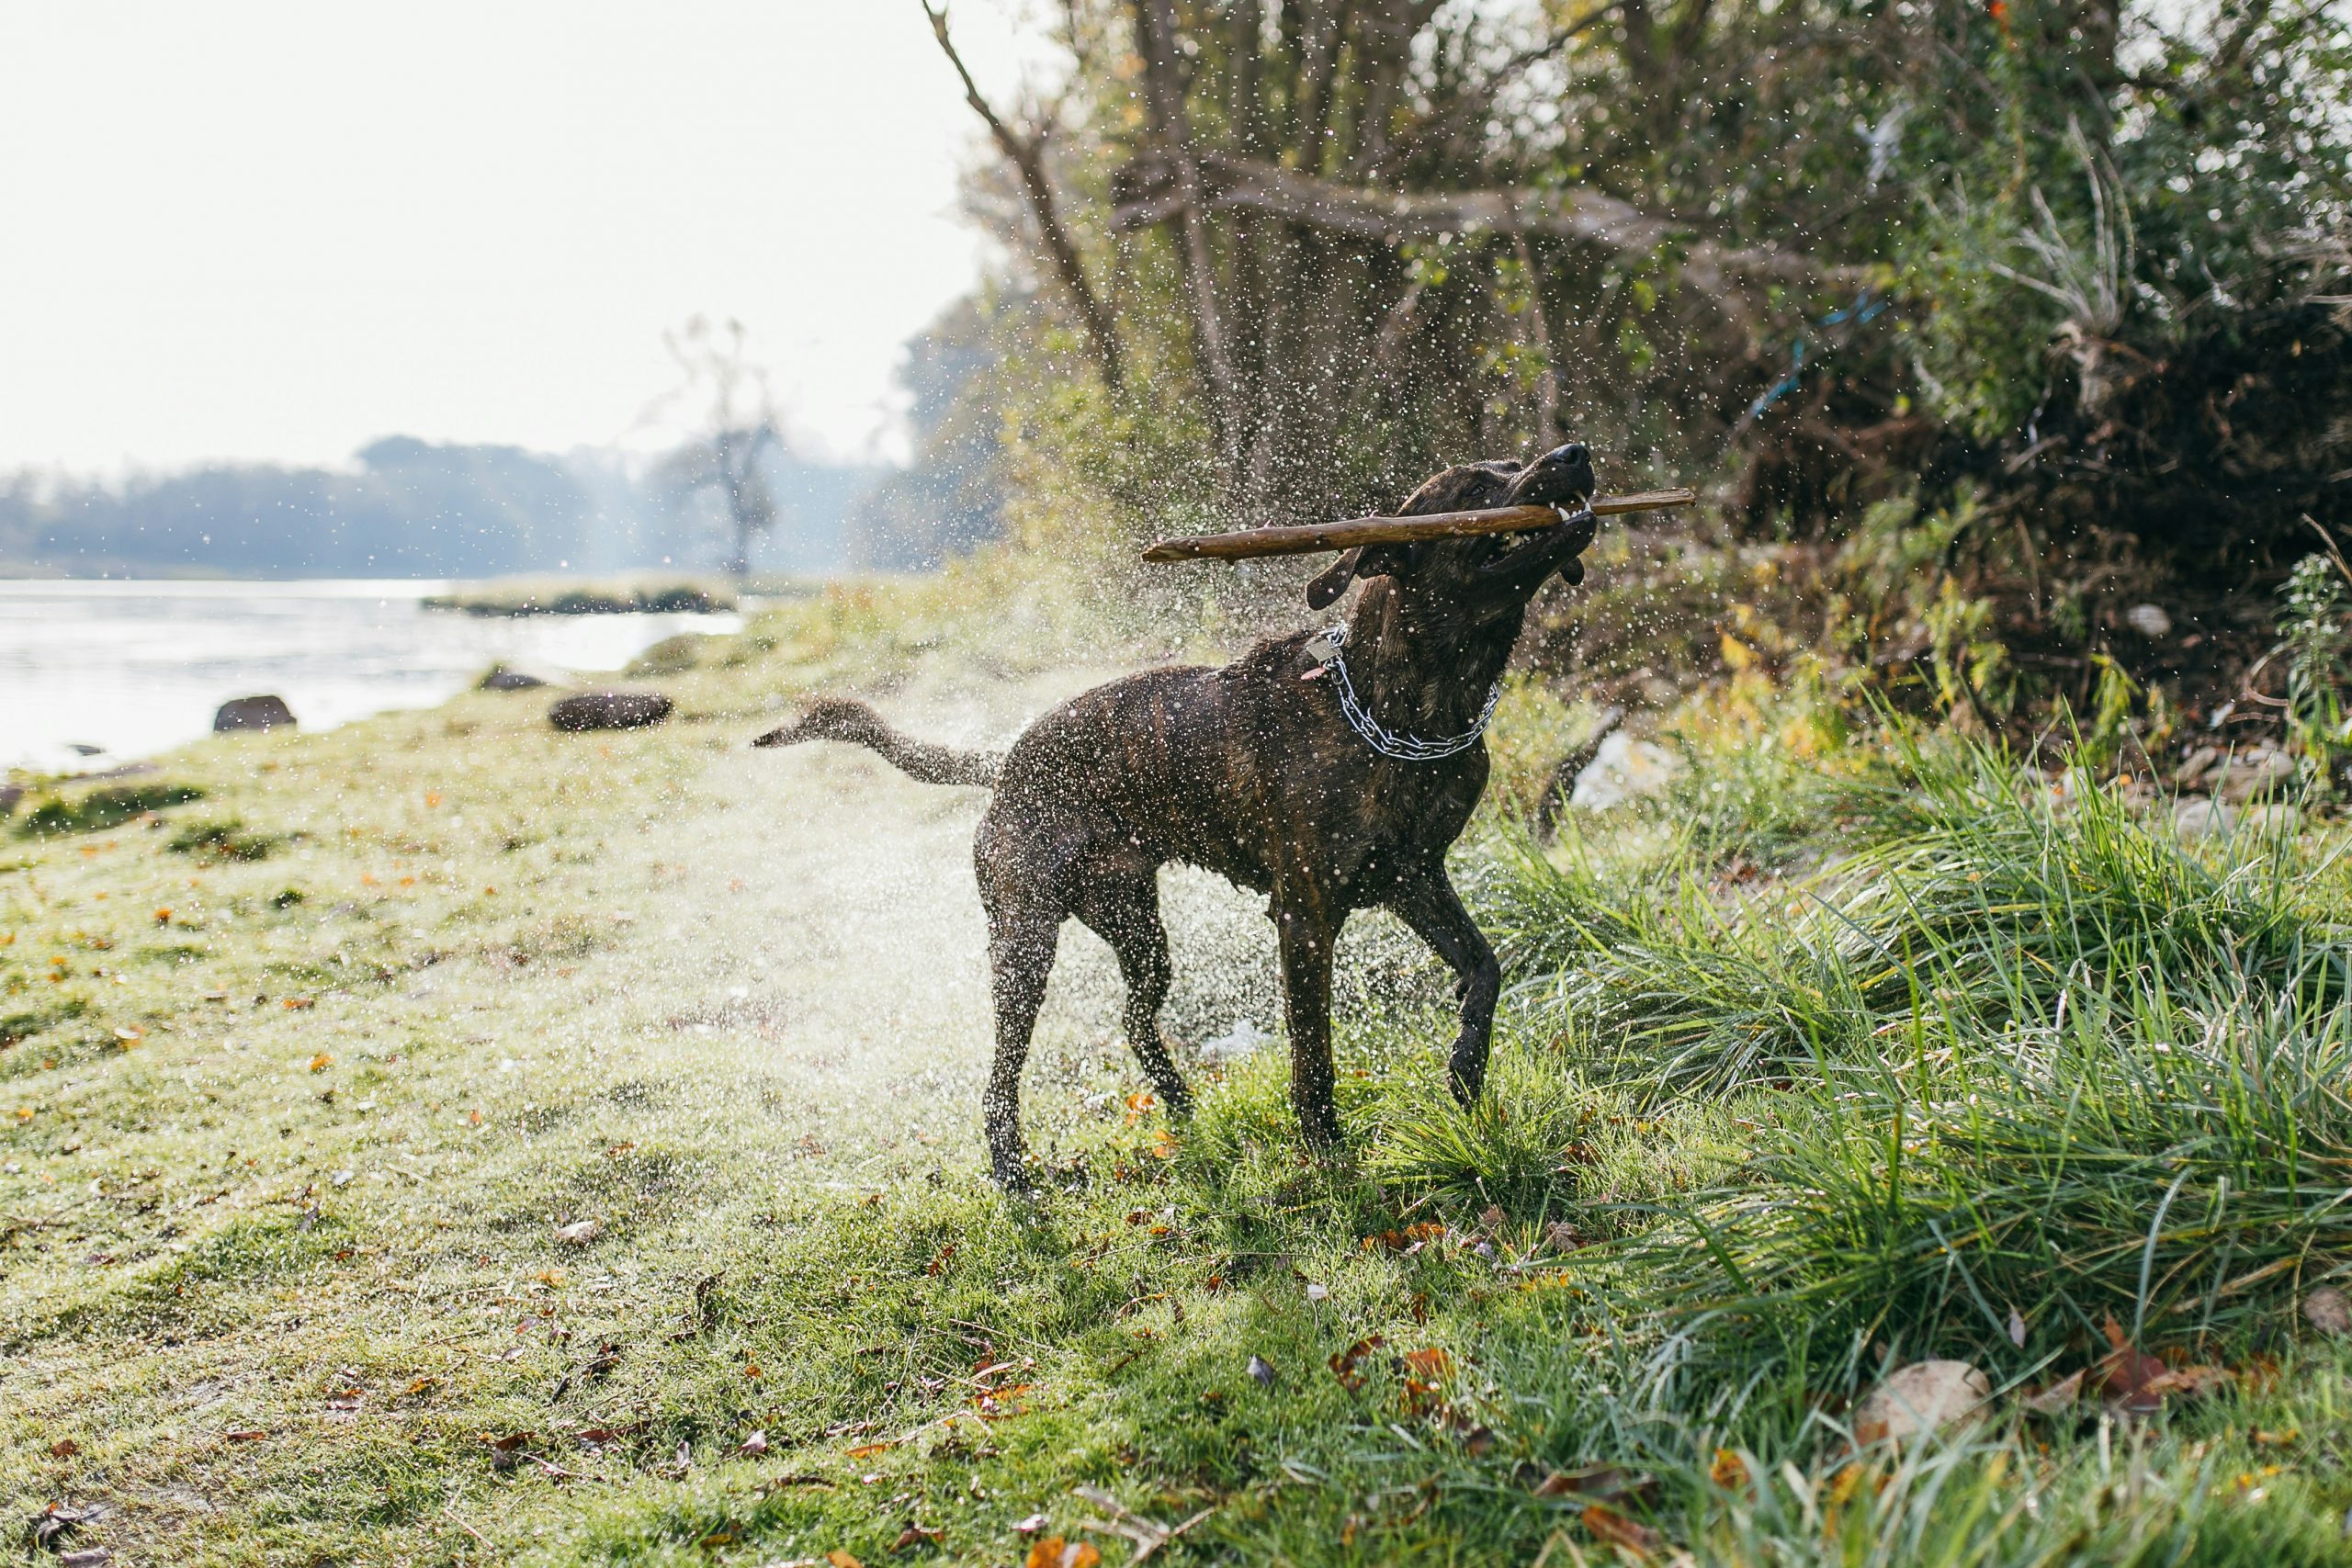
1522,548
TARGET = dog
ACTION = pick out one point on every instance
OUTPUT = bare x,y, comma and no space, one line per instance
1331,775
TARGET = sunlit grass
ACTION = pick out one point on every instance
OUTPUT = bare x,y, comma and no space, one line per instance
1850,1051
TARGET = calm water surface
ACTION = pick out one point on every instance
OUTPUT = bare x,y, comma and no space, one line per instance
133,668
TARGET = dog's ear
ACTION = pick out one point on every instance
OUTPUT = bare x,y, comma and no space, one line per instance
1333,579
1365,560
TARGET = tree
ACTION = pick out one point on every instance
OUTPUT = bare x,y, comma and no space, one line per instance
729,409
1818,248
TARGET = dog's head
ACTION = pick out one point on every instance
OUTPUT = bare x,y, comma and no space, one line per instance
1486,575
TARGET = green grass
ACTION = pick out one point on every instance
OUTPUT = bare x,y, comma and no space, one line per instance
1835,1061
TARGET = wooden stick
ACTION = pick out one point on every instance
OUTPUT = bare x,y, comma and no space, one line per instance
1304,539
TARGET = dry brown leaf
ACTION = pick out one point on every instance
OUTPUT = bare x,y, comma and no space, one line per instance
1608,1525
1597,1482
1430,1366
840,1558
65,1448
2193,1381
2124,1375
2060,1395
863,1449
579,1233
1347,1365
321,1062
245,1435
1923,1397
1729,1471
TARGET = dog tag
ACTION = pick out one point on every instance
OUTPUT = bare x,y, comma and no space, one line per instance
1324,646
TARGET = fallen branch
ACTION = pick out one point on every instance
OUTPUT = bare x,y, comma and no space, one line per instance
1244,544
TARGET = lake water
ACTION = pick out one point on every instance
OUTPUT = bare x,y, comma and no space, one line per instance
134,668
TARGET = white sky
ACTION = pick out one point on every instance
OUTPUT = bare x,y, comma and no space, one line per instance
278,230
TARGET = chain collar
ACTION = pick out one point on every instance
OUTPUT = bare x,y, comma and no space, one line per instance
1403,748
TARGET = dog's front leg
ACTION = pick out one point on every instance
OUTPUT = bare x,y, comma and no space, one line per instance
1428,903
1308,935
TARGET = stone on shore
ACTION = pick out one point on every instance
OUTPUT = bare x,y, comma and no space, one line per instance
610,710
505,678
267,712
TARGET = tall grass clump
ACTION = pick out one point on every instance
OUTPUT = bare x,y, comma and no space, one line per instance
1979,889
2032,1066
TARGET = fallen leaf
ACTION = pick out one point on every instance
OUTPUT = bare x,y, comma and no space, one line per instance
1729,1471
1591,1483
1923,1397
1262,1370
2123,1375
245,1435
1562,1236
1315,1293
914,1533
87,1557
1347,1366
1428,1366
940,1260
1031,1525
65,1448
579,1233
1051,1551
1492,1219
1412,1238
321,1062
757,1443
840,1559
863,1449
1609,1525
2060,1395
2326,1310
2193,1381
2016,1329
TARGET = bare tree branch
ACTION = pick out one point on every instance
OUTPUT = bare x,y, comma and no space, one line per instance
1027,156
1587,217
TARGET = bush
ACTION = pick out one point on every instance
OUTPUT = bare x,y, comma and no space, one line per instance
94,811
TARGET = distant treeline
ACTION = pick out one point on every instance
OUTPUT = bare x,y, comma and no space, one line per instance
411,508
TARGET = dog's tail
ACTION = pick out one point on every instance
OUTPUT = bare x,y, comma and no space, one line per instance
838,718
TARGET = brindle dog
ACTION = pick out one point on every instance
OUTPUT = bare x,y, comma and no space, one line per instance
1253,770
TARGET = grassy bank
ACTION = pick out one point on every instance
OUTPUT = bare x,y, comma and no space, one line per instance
401,1165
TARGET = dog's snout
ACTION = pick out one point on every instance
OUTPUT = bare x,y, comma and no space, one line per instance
1573,452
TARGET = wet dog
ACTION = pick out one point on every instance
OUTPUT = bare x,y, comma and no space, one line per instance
1330,774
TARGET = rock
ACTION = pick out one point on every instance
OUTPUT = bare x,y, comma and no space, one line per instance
2197,818
2266,769
2148,620
2195,766
2325,1310
1924,1397
610,710
267,712
1625,769
502,679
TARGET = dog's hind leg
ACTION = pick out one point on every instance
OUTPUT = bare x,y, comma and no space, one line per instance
1428,903
1127,915
1021,956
